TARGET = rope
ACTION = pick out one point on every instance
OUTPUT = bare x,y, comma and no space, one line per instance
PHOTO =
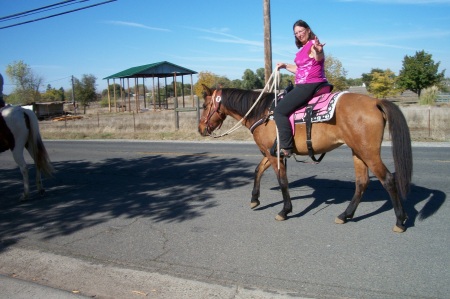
274,77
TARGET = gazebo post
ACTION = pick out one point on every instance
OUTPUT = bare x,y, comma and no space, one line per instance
114,94
109,96
192,91
175,87
121,93
159,96
136,94
153,93
129,97
143,87
182,89
175,101
165,93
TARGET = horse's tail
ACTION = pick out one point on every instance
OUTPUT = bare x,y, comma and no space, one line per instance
35,144
401,145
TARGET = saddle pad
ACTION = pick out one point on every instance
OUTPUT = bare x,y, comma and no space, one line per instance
323,109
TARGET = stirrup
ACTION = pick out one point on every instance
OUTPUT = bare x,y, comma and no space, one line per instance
284,153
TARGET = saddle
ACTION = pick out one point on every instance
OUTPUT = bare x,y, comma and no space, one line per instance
319,109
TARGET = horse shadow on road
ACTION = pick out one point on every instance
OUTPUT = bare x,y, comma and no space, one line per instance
83,194
327,192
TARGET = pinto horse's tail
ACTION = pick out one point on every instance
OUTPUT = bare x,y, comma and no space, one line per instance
401,145
36,146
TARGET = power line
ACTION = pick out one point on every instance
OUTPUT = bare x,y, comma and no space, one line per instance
55,15
39,10
56,80
13,16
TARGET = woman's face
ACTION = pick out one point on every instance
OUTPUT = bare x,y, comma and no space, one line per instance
302,34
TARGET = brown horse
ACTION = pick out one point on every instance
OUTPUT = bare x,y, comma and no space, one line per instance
358,122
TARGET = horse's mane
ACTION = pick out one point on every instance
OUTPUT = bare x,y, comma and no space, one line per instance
240,101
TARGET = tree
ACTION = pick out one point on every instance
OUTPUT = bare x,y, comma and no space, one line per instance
236,83
367,78
335,73
26,81
251,81
419,72
260,74
52,94
383,84
84,90
213,81
354,82
285,78
117,87
208,79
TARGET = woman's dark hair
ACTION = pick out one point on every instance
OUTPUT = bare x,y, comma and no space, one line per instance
303,24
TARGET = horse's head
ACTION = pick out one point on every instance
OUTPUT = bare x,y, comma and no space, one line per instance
212,118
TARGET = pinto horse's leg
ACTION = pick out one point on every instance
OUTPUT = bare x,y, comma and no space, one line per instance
39,185
18,157
361,182
35,155
262,166
283,182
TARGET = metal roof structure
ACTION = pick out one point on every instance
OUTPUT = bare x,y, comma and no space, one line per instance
161,69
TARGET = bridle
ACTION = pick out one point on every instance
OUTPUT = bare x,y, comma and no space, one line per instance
214,107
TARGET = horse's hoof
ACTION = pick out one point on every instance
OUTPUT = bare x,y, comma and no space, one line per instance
254,204
280,218
339,221
398,229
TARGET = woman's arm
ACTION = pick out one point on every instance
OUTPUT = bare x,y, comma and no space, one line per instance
289,67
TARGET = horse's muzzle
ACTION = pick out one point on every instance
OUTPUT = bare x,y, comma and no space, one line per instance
204,132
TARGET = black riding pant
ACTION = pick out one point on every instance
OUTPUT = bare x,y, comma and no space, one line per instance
294,100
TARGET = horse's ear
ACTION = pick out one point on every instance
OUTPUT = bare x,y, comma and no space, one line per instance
207,90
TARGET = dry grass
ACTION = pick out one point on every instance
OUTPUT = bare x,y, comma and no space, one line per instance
99,123
426,124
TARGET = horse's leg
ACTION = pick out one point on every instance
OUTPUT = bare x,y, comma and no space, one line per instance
387,179
373,161
18,157
361,182
35,156
39,185
262,166
283,182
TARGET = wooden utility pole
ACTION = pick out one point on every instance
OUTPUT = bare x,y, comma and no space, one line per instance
267,41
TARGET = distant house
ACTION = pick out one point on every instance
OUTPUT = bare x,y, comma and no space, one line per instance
44,110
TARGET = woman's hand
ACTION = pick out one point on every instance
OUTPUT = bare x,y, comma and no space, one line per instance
318,47
281,65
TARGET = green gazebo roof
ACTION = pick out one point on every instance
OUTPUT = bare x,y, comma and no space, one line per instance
160,69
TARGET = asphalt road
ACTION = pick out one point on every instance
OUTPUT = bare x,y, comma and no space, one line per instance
172,219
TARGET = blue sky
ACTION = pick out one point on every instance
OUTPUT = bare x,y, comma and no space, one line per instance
224,37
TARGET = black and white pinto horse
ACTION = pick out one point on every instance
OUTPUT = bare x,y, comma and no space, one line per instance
19,129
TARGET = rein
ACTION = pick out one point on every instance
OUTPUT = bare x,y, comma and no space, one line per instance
269,87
